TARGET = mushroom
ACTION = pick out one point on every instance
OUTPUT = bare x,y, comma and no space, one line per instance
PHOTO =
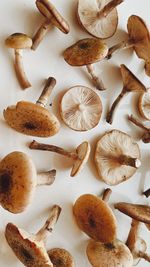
79,157
117,157
52,18
99,18
144,105
18,180
19,41
81,108
61,257
131,84
86,52
34,119
146,135
28,248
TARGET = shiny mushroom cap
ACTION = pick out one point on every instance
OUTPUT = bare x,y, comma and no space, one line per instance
31,119
85,51
81,108
18,179
61,258
18,41
144,105
95,218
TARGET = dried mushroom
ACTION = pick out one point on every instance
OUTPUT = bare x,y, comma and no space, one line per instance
28,248
86,52
131,84
19,41
34,119
52,18
61,257
144,105
146,135
81,108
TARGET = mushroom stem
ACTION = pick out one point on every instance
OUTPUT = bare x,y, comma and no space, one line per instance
19,68
50,84
144,256
46,178
147,67
137,123
52,148
126,160
40,34
121,45
104,12
106,194
133,234
147,193
96,80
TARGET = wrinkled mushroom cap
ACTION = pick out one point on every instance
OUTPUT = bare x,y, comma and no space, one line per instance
113,254
61,258
31,119
30,252
81,108
19,41
85,51
103,27
18,179
95,218
109,148
48,10
144,105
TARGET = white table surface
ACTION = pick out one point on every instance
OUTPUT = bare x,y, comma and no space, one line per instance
22,16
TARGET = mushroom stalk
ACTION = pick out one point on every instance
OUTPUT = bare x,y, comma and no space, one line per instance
121,45
96,80
137,123
46,178
40,34
144,256
104,12
126,160
147,193
133,234
50,84
106,194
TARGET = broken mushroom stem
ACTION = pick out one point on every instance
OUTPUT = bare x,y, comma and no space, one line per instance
147,193
50,84
40,34
128,161
106,194
124,44
19,68
96,80
46,178
104,12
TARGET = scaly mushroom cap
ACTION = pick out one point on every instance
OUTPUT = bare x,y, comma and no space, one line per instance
18,41
111,254
30,252
103,27
144,105
85,51
140,245
81,108
50,12
31,119
95,218
18,179
61,258
109,148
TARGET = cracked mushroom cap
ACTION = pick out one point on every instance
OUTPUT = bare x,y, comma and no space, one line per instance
85,52
27,249
81,108
144,105
103,27
18,179
61,258
111,254
31,119
109,149
18,41
95,218
48,10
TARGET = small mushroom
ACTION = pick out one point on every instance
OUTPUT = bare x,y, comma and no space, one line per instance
28,248
144,105
99,18
146,135
117,157
34,119
19,41
18,180
86,52
81,108
61,257
79,157
52,18
131,84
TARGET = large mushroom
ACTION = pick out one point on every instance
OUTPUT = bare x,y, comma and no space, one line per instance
52,18
86,52
61,257
99,18
131,84
144,105
81,108
79,157
34,119
146,135
18,180
28,248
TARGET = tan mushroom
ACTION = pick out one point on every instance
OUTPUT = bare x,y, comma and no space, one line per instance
61,257
28,248
79,157
19,41
131,84
99,18
146,135
86,52
52,18
18,180
81,108
34,119
117,157
144,105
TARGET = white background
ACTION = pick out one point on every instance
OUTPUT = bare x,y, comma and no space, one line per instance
22,16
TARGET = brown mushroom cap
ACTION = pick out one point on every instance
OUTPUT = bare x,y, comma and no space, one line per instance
19,41
61,258
48,10
31,119
18,179
85,51
95,218
81,108
112,254
144,105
